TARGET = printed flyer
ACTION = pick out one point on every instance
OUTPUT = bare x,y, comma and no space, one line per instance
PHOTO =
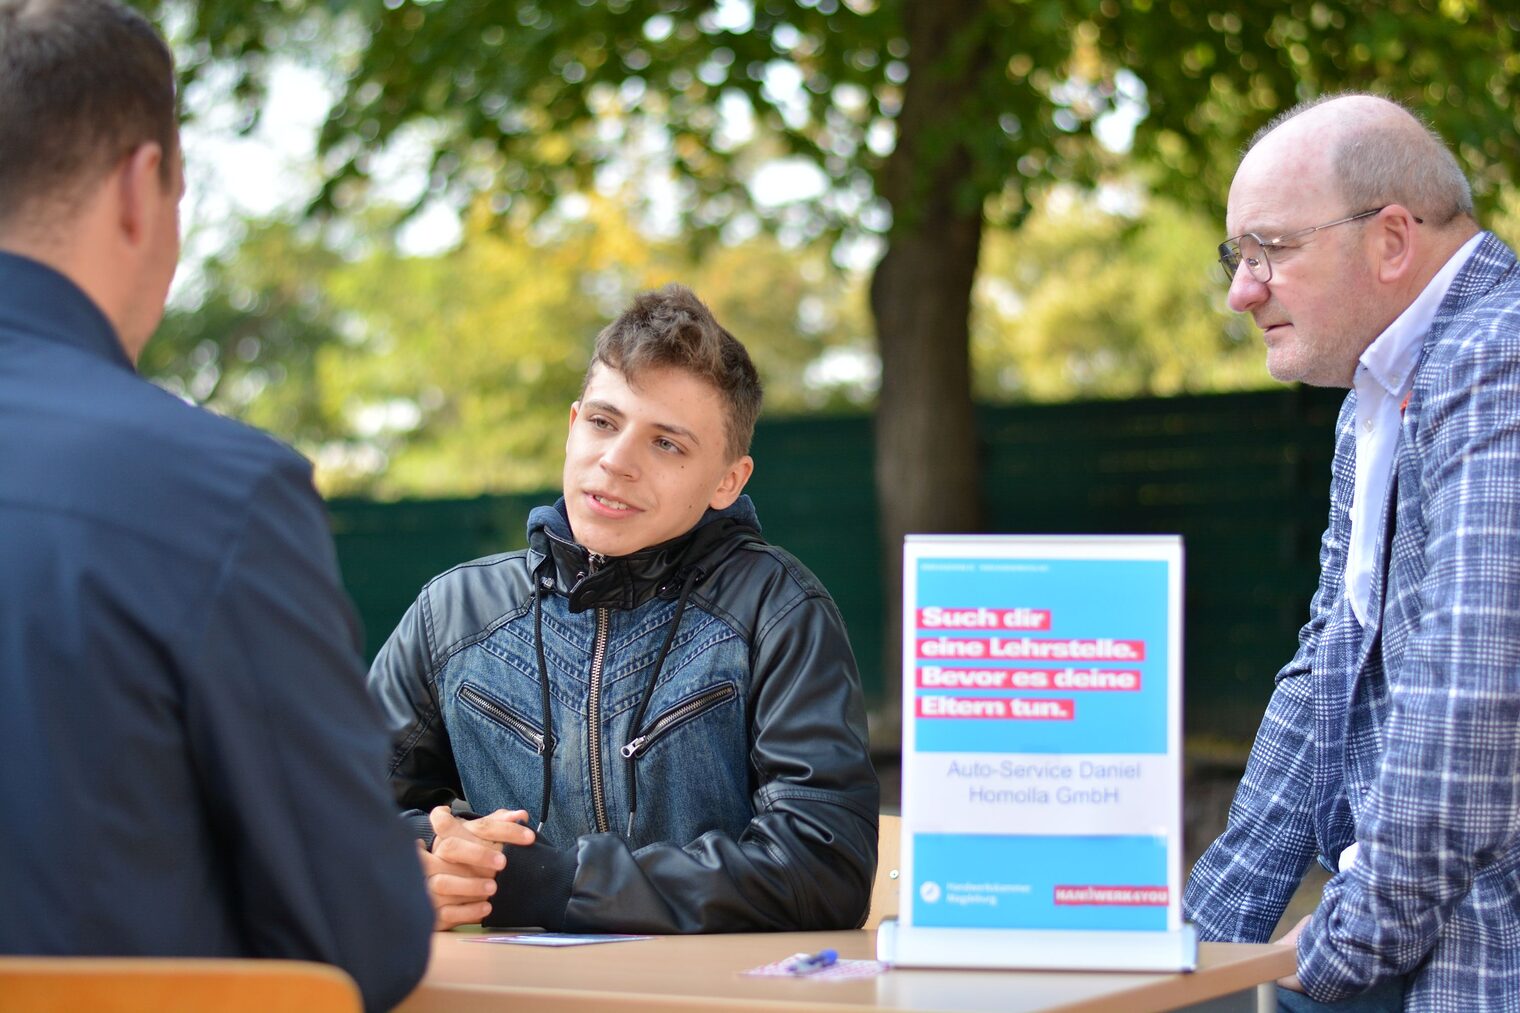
1042,698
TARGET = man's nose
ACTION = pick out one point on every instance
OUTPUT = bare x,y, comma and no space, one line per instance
1245,291
618,457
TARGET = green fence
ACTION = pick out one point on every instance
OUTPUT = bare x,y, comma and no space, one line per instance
1242,477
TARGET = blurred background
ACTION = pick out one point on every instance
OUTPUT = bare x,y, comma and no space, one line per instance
970,244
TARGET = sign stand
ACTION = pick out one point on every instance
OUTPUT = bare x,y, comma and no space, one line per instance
1042,755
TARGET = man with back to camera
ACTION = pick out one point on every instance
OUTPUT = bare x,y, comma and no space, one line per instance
667,698
1390,747
186,748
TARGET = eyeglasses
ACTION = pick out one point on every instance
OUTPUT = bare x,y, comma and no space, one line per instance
1252,250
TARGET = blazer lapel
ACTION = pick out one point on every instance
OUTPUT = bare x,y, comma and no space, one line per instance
1489,262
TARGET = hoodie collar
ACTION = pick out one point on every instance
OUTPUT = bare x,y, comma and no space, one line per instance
626,582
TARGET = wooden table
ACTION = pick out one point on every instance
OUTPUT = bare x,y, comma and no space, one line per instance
702,973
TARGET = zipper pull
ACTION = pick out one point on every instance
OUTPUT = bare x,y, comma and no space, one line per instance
631,751
596,559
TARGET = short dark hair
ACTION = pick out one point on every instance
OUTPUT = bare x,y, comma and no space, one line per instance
671,328
82,82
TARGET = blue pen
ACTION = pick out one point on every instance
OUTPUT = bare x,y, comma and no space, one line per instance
808,963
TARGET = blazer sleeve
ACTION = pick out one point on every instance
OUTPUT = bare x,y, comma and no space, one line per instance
807,859
1446,799
291,752
1239,887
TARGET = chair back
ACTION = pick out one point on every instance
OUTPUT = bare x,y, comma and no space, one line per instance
173,985
888,862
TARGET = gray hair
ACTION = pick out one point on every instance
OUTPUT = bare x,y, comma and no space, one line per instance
1378,161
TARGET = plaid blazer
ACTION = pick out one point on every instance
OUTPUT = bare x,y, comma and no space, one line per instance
1404,737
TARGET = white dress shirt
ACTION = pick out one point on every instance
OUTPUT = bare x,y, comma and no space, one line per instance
1384,376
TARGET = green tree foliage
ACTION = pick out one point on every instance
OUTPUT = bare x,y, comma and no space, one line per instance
453,374
521,101
527,98
1214,72
926,119
251,347
450,374
1083,302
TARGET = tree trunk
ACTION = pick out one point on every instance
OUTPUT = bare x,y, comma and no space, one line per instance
928,475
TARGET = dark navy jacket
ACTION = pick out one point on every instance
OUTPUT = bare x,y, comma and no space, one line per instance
189,764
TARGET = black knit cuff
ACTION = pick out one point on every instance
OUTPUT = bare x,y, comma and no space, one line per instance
420,827
534,888
420,823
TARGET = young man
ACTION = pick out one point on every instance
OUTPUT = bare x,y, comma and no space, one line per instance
186,748
667,699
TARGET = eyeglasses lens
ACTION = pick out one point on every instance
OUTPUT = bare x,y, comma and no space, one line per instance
1248,250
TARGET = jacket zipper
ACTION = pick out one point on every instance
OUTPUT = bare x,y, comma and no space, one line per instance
594,710
678,715
498,713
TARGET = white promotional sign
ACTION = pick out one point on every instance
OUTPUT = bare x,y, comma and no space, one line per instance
1042,754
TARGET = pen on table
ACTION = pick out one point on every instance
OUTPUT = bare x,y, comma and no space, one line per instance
807,963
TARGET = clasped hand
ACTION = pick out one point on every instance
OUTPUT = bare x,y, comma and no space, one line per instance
466,856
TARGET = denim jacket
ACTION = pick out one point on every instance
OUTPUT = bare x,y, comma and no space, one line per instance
684,726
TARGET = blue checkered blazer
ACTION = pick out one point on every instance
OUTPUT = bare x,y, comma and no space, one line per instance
1404,737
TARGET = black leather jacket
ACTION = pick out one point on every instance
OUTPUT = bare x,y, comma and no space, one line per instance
684,724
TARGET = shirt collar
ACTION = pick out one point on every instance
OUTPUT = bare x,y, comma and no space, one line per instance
39,302
1391,359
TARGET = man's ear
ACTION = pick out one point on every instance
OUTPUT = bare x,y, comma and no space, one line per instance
140,192
1393,237
732,483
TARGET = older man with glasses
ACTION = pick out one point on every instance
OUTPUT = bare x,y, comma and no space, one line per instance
1391,747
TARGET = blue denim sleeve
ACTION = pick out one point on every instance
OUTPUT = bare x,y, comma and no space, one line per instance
292,755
